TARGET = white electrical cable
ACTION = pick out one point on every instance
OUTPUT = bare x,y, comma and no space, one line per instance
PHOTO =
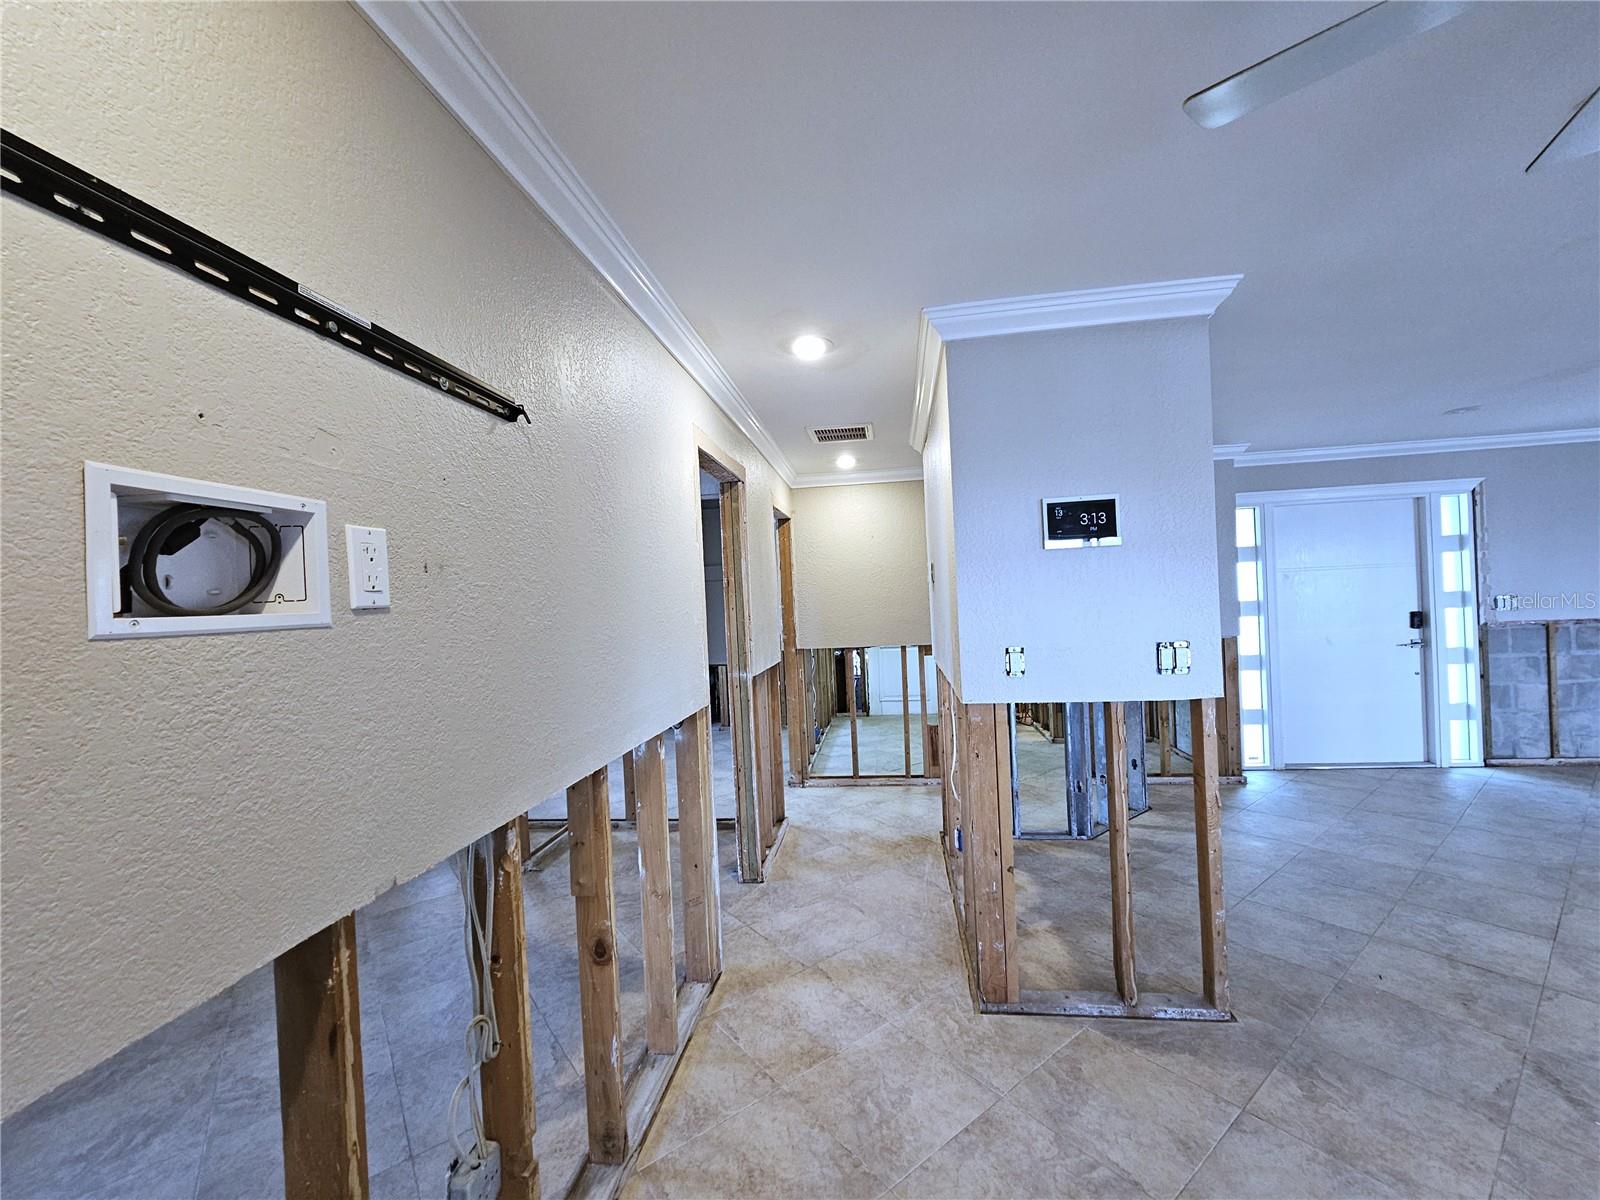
483,1030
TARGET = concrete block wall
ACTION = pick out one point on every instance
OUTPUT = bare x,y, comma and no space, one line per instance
1517,665
1578,689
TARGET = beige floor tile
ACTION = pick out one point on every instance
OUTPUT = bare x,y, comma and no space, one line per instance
1258,1161
772,1148
793,1024
1329,902
1536,1168
1325,948
1568,1026
1509,909
1149,1122
889,1101
1500,1004
1451,1058
1522,955
1005,1154
1272,989
715,1079
996,1049
1559,1099
890,974
1348,871
1533,878
1575,961
1228,1059
1400,1134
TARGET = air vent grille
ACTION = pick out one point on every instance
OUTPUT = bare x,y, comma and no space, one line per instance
828,434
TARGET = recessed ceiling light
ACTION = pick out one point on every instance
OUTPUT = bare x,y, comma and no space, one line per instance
845,461
1465,408
809,347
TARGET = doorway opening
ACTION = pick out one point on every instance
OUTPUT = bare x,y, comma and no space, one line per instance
748,705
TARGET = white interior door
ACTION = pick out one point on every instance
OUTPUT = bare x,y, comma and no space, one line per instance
1347,668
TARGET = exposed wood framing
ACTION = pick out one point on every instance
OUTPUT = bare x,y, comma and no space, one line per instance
1164,734
775,682
765,726
1552,696
697,848
985,796
794,676
320,1079
1230,728
600,993
603,1181
630,789
506,1080
849,660
976,792
905,706
736,603
655,892
1208,853
1122,948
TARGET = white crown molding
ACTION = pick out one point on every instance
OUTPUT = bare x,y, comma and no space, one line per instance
1090,306
842,478
446,55
930,347
1228,450
1452,445
1053,310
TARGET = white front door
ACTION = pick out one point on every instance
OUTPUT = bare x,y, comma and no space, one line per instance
1348,685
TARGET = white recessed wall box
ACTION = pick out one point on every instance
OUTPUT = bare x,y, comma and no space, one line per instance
189,561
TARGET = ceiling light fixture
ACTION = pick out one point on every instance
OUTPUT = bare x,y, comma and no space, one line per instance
809,347
845,461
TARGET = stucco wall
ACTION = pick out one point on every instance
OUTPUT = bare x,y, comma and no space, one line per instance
1540,533
177,812
1120,410
860,566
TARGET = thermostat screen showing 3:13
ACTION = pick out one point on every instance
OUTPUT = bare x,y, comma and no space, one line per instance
1068,519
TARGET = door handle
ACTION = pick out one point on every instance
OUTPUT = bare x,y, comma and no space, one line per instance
1411,645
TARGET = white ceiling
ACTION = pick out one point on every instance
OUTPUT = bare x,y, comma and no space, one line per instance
838,167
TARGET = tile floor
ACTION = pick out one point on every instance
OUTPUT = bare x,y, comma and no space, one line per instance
881,746
1416,991
1418,996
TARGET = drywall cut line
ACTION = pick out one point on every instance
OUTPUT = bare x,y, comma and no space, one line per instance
73,194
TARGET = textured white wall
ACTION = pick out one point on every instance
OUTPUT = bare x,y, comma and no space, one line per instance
177,812
939,515
1227,552
860,566
1541,514
1119,410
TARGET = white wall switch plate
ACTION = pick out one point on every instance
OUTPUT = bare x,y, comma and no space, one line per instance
367,555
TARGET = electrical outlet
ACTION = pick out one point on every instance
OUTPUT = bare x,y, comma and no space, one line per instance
480,1182
367,553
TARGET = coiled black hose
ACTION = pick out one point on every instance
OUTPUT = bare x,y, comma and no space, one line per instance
174,528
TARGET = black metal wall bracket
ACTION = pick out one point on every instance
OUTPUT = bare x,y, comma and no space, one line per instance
58,187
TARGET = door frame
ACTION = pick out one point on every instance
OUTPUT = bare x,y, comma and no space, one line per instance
1426,495
731,477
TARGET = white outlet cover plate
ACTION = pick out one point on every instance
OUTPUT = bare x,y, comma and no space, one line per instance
105,487
366,552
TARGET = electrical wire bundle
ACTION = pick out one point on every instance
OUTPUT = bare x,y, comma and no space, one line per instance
483,1031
